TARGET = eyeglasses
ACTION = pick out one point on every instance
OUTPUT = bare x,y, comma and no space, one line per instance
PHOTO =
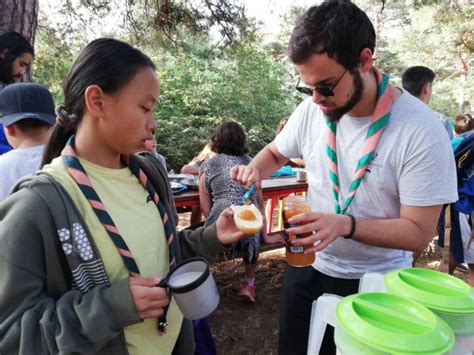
322,90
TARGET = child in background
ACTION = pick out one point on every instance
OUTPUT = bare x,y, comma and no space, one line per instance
218,192
194,167
150,147
27,115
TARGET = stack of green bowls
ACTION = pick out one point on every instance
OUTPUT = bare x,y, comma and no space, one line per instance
447,296
382,323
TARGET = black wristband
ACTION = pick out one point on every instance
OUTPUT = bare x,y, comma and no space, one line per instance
353,227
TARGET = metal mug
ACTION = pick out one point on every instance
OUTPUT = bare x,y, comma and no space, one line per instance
193,288
301,176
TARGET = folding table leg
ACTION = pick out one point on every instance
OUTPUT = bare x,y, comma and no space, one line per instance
280,214
269,213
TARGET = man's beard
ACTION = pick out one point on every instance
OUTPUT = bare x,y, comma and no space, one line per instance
6,71
336,114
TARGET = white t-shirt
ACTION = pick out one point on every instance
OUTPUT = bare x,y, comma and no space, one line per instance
18,163
466,236
413,165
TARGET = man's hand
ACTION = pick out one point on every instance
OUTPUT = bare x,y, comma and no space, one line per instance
323,228
412,231
227,231
246,175
149,299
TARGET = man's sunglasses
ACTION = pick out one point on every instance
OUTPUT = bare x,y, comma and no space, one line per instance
322,90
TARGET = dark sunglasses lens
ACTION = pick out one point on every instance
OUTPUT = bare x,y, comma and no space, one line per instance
324,91
303,90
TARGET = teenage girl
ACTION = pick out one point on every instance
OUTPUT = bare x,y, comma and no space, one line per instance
85,242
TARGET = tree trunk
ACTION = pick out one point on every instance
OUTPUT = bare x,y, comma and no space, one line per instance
463,81
20,16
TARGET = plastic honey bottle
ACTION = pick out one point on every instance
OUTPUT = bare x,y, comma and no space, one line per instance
293,206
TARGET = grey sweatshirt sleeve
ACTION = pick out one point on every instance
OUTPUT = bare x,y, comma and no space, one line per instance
38,313
201,242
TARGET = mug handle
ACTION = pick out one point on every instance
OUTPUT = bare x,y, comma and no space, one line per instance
162,322
163,283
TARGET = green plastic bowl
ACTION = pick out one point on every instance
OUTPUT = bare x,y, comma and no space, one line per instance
450,298
378,323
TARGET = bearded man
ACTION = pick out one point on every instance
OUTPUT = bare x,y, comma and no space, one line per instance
16,54
378,163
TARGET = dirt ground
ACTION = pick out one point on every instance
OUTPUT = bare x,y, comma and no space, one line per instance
240,328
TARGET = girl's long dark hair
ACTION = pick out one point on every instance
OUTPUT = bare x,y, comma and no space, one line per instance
107,63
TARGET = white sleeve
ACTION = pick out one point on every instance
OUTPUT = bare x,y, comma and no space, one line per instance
289,140
428,175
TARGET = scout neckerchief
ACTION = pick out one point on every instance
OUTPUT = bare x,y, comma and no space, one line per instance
78,173
379,121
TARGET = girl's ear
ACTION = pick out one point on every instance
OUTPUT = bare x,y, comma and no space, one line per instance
366,60
94,100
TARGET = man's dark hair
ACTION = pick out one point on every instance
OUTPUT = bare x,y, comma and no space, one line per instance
12,45
415,78
338,28
229,138
15,43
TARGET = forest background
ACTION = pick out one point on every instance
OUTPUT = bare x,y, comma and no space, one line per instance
216,63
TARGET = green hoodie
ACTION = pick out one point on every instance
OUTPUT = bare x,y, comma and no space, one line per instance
42,309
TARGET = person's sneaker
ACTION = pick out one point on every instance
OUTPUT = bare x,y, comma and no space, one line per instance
462,267
247,293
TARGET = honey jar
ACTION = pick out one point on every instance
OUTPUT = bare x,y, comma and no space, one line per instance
293,206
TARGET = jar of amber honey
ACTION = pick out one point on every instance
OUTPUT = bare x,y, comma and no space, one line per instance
293,206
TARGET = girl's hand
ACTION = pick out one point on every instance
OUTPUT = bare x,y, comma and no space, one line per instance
227,231
149,299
